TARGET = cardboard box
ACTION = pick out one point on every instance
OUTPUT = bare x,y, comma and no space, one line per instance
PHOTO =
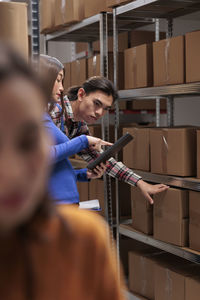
169,61
140,37
83,189
94,68
95,7
47,15
14,25
141,271
192,288
68,12
173,151
96,191
192,56
137,153
144,104
112,3
171,217
170,280
142,212
198,153
67,78
194,221
122,43
138,69
78,72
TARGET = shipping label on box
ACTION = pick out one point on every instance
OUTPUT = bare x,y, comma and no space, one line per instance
142,212
171,216
137,153
138,68
194,221
192,42
169,61
173,151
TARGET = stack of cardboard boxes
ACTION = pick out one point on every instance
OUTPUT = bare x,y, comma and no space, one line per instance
160,276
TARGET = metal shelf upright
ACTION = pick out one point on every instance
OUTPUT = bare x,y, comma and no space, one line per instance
35,29
142,11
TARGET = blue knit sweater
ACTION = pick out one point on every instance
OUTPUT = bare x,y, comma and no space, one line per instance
62,182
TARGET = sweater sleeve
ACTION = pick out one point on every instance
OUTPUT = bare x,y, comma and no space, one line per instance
81,175
67,148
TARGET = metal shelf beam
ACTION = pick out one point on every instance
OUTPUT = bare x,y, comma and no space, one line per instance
185,253
181,182
180,90
158,8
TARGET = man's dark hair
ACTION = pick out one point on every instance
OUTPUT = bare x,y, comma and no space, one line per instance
93,84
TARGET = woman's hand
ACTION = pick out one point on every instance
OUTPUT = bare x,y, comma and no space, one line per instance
97,172
96,143
149,189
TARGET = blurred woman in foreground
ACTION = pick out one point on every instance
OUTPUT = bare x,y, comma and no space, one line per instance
43,254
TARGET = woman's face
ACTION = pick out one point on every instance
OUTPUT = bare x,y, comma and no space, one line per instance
23,151
93,106
58,86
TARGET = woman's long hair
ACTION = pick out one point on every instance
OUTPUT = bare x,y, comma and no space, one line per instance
12,65
49,68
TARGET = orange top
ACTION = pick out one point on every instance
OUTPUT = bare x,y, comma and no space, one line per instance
69,260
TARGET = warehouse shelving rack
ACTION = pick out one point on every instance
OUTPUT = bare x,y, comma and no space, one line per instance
156,9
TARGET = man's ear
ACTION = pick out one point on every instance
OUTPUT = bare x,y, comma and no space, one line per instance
81,94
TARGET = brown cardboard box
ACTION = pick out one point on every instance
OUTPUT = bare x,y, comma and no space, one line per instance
141,271
83,189
47,15
142,212
78,72
138,69
122,43
192,288
140,37
68,12
198,153
96,191
144,104
137,153
192,56
169,61
14,25
67,78
173,151
112,3
94,7
171,217
170,280
194,220
81,47
94,67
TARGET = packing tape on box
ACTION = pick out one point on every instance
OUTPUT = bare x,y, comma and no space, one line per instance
94,66
167,48
135,67
168,286
164,150
143,281
63,9
78,72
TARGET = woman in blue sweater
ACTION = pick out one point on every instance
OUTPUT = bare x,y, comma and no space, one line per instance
62,182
